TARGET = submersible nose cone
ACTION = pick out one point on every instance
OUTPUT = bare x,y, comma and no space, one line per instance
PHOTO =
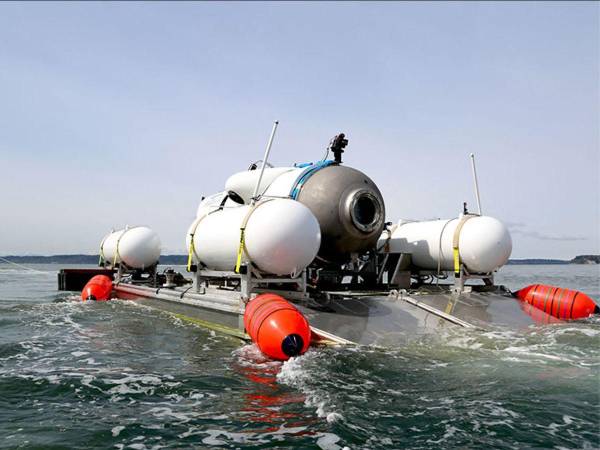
292,345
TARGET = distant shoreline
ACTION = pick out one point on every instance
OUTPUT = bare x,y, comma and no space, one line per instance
579,259
182,260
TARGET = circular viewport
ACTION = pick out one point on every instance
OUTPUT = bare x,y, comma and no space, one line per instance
365,211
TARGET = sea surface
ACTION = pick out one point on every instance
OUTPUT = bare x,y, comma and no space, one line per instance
120,375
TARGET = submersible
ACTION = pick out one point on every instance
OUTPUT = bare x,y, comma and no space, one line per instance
302,254
346,203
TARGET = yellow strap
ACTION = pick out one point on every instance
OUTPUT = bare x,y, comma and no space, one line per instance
240,250
242,247
190,254
456,239
456,260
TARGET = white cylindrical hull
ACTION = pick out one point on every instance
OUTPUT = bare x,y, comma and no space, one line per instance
484,243
136,247
282,237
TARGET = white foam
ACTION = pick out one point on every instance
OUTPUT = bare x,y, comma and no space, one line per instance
585,331
249,355
527,351
449,432
293,374
328,441
137,446
212,438
161,412
333,417
240,438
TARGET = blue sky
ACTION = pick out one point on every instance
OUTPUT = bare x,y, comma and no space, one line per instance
127,113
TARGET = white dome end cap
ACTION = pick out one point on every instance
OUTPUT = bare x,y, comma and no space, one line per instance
282,237
140,247
485,244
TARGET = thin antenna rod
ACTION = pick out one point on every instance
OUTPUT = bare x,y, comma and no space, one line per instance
265,159
476,183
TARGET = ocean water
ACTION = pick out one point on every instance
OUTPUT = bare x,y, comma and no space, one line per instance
120,375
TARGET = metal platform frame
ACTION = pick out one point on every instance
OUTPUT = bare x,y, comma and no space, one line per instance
252,282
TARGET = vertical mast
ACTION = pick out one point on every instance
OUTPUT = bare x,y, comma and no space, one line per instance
475,182
264,164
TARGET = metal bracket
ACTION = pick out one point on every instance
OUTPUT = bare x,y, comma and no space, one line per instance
461,278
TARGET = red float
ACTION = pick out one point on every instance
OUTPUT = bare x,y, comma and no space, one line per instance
277,327
558,302
98,288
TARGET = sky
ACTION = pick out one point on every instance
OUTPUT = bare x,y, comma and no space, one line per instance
115,114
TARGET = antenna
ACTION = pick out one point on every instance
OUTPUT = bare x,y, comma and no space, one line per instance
265,159
475,183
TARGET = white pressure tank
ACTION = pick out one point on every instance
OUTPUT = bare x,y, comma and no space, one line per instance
484,243
136,247
282,237
244,183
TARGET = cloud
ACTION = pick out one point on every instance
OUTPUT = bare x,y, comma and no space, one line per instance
521,229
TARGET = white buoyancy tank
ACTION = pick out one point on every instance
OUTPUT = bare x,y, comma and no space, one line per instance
244,183
136,247
484,243
282,237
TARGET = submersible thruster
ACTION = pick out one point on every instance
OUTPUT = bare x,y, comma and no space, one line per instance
262,254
